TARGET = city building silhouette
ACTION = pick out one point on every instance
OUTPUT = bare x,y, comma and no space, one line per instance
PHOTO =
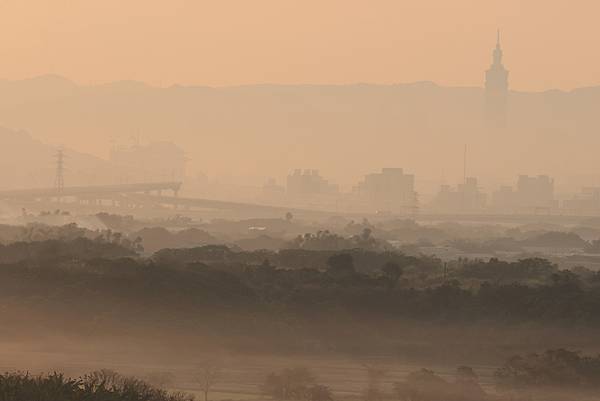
533,194
308,182
465,198
390,190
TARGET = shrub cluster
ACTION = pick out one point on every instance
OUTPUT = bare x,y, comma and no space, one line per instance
102,385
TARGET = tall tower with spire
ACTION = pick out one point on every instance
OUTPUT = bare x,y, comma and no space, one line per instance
496,90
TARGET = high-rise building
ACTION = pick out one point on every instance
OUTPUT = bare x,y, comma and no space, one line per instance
465,198
496,90
587,202
532,195
536,192
308,182
391,190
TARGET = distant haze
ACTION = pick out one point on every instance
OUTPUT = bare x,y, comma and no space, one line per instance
549,44
251,90
246,134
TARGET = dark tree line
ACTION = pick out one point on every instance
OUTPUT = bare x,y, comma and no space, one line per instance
385,284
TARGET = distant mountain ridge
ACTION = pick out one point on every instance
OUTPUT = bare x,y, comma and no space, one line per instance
346,131
59,82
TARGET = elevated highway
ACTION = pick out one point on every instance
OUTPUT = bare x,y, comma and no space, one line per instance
142,198
90,191
150,199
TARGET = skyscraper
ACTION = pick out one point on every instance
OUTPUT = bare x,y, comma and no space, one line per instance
496,90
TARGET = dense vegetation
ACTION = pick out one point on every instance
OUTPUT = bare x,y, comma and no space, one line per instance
426,385
555,374
97,386
305,283
295,384
551,369
335,234
306,297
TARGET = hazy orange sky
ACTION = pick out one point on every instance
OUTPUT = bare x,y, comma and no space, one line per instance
548,43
